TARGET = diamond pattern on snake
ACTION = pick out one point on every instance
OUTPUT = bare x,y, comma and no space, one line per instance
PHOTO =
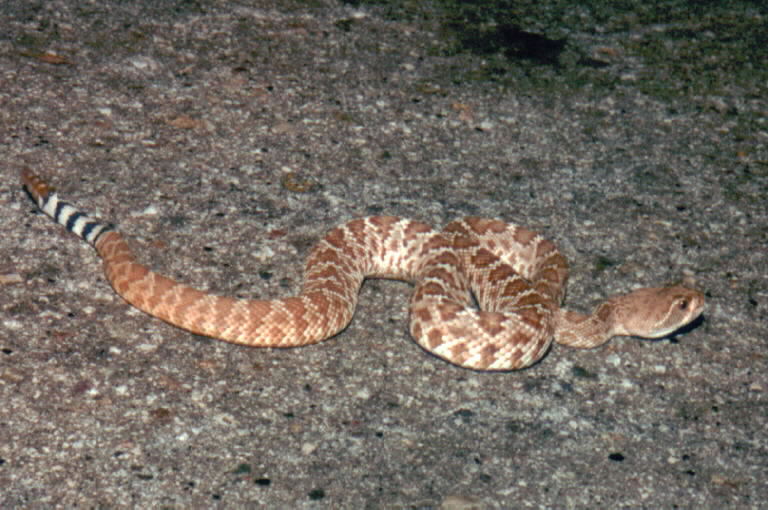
487,294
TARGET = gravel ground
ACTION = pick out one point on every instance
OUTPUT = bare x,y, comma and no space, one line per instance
226,137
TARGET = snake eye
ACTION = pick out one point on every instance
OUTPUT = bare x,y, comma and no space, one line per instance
683,304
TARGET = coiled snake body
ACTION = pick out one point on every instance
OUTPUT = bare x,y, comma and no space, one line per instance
487,293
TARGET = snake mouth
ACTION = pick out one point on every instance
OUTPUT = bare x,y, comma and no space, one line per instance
672,332
685,329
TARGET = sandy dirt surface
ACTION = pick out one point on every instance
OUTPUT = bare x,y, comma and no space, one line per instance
226,137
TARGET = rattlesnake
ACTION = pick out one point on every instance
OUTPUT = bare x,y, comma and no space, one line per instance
487,293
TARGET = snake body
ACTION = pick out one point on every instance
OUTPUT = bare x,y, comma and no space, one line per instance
487,293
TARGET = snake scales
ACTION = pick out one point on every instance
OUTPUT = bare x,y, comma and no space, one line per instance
487,294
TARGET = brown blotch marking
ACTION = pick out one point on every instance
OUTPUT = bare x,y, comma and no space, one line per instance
416,330
483,258
113,249
336,238
322,268
447,257
275,335
519,338
444,275
524,236
122,257
556,261
459,353
327,272
297,311
501,273
257,311
108,240
603,312
277,314
456,227
551,290
464,242
545,247
434,338
550,274
414,228
222,309
435,244
362,225
116,238
238,317
324,304
360,231
491,322
324,259
418,294
423,314
517,354
484,225
339,307
574,318
530,317
487,355
328,288
429,289
156,287
544,339
135,273
529,299
392,245
515,287
356,225
448,311
160,284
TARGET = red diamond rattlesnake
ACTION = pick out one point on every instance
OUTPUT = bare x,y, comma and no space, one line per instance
517,278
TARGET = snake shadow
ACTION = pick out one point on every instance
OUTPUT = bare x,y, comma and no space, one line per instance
672,337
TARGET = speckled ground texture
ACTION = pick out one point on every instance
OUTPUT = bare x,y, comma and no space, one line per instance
226,137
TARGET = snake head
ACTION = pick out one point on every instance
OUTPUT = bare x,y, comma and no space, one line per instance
656,312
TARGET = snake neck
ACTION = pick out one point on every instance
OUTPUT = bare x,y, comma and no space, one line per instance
584,331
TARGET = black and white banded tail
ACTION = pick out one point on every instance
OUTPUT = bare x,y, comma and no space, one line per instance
62,212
